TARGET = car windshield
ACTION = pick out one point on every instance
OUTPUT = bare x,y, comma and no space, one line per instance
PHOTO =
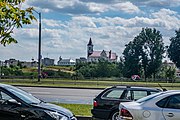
147,98
26,97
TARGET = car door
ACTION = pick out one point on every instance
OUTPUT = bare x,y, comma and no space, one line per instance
172,109
8,111
112,98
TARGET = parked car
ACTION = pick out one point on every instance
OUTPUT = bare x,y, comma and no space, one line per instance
16,104
106,104
160,106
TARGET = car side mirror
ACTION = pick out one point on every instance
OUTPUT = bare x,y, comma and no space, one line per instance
13,101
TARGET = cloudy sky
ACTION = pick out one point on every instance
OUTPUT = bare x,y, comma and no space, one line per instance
67,26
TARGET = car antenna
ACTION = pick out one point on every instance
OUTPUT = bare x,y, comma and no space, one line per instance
164,89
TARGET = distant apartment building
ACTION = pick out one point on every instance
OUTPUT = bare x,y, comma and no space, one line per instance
81,60
95,56
66,62
47,62
11,62
29,64
15,62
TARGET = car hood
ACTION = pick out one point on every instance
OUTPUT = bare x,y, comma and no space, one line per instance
55,108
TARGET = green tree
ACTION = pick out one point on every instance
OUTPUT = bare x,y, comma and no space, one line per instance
146,52
102,68
12,16
167,72
174,49
152,50
131,59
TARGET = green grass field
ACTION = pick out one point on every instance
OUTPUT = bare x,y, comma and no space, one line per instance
77,109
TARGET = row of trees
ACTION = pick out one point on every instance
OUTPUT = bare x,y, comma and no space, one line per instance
141,56
101,69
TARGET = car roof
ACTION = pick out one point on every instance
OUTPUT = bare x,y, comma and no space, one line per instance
4,85
171,91
136,87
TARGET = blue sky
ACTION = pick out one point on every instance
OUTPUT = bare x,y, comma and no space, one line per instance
67,26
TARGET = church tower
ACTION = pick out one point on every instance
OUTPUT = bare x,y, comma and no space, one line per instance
89,48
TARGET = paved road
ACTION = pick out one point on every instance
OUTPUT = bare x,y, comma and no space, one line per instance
63,95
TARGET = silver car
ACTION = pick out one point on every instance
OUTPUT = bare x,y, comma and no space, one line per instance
159,106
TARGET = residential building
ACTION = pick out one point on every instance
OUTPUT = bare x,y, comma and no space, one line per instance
15,62
11,62
66,62
29,64
95,56
47,62
81,60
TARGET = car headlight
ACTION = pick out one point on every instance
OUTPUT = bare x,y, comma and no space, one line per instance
56,115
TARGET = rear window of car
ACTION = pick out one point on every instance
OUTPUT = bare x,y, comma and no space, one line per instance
113,94
153,92
139,94
147,98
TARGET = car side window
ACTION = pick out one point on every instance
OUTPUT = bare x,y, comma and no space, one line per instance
137,94
174,102
4,96
113,94
162,102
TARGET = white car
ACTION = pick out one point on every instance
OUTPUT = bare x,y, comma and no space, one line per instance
160,106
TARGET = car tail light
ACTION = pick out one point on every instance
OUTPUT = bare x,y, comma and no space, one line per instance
125,114
95,104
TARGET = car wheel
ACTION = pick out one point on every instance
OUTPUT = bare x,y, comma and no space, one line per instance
115,116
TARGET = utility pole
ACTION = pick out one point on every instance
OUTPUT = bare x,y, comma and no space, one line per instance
39,48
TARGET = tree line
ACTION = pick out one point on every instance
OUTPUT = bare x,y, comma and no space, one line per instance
142,56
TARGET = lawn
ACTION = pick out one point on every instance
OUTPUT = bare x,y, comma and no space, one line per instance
77,109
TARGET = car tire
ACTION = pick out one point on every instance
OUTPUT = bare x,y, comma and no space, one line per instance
115,116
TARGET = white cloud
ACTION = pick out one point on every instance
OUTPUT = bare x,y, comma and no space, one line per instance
169,19
51,23
127,7
82,7
94,7
82,21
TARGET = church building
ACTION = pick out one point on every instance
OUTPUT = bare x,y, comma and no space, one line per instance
95,56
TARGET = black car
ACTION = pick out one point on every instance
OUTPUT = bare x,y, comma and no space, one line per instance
16,104
105,105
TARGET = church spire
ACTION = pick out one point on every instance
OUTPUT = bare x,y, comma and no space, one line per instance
89,47
90,42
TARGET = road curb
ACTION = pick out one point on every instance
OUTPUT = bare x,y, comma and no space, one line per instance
58,87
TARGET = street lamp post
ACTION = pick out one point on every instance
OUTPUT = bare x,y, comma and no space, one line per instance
39,49
1,67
